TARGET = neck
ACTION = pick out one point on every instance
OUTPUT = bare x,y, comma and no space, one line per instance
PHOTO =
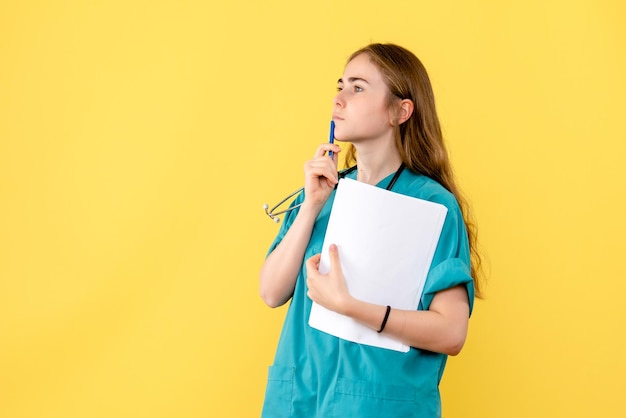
375,162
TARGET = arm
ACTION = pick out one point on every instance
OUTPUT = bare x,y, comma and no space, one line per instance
442,328
280,270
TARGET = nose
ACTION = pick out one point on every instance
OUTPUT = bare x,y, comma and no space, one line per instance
339,100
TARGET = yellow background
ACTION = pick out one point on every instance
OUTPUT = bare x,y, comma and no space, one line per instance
139,140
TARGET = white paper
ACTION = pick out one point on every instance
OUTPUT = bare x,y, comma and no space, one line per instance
386,244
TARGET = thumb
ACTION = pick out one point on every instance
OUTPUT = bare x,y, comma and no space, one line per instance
333,252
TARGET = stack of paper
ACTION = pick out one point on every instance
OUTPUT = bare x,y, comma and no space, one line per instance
386,244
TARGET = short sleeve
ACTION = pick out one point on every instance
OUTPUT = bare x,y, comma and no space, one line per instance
451,263
288,219
448,274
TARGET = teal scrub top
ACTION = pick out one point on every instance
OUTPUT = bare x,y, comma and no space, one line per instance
318,375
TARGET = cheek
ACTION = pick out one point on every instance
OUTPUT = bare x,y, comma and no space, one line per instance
377,108
378,115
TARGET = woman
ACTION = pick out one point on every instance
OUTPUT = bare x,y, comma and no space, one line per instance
385,109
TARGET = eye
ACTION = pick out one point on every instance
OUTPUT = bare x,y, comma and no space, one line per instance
358,89
339,88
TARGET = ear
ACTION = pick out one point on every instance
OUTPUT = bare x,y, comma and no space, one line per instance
405,110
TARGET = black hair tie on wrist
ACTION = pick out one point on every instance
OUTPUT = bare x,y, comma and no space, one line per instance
382,326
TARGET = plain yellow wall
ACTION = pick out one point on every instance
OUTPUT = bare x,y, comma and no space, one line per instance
139,140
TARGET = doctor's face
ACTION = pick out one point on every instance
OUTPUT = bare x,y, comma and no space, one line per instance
361,106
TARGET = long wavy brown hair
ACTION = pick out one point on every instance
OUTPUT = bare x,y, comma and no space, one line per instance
419,139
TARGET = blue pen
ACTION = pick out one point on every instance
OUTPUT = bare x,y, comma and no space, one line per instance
331,140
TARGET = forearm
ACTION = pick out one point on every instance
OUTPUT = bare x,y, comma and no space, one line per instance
442,330
280,270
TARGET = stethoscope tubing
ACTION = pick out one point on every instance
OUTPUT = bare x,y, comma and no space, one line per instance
274,215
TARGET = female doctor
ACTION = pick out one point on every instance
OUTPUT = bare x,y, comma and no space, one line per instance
385,109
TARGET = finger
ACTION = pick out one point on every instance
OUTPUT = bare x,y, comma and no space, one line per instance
324,148
322,167
312,263
322,163
311,296
333,251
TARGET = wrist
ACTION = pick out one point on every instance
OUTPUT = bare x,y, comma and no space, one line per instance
311,209
350,306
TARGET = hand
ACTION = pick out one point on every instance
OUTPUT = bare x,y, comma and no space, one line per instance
329,290
320,176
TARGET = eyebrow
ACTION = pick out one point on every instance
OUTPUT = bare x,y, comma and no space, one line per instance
352,80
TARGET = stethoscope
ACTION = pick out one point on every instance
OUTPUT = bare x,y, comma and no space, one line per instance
274,215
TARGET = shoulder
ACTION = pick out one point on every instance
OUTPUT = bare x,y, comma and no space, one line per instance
423,187
450,265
